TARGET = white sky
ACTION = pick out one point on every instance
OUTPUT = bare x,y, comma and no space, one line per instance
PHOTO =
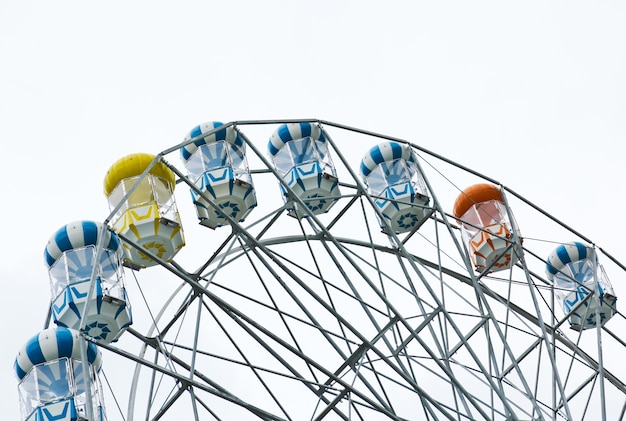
530,93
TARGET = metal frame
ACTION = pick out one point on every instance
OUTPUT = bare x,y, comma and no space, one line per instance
403,327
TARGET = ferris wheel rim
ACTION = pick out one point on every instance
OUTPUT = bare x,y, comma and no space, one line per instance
326,234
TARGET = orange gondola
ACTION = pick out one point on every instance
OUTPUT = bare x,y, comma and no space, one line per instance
486,227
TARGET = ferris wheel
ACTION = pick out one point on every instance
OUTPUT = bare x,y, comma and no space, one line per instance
303,269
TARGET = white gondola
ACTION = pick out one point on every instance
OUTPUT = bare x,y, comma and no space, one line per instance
148,216
574,270
51,378
299,152
218,167
487,227
72,257
391,174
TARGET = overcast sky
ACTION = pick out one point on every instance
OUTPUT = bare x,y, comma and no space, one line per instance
530,93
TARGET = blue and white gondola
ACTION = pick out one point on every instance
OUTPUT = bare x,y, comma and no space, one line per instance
217,165
574,271
71,258
391,175
50,370
299,152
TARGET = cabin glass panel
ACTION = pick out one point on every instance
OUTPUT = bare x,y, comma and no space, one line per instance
603,280
391,173
416,177
216,155
76,266
574,274
80,395
237,159
376,181
151,189
28,394
45,383
482,215
303,151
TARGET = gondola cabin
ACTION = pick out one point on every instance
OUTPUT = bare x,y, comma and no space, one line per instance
146,212
486,227
390,172
73,260
52,381
216,163
581,285
300,155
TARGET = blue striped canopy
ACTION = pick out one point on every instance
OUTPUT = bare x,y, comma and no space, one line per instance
228,134
294,131
79,234
567,253
52,344
385,152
